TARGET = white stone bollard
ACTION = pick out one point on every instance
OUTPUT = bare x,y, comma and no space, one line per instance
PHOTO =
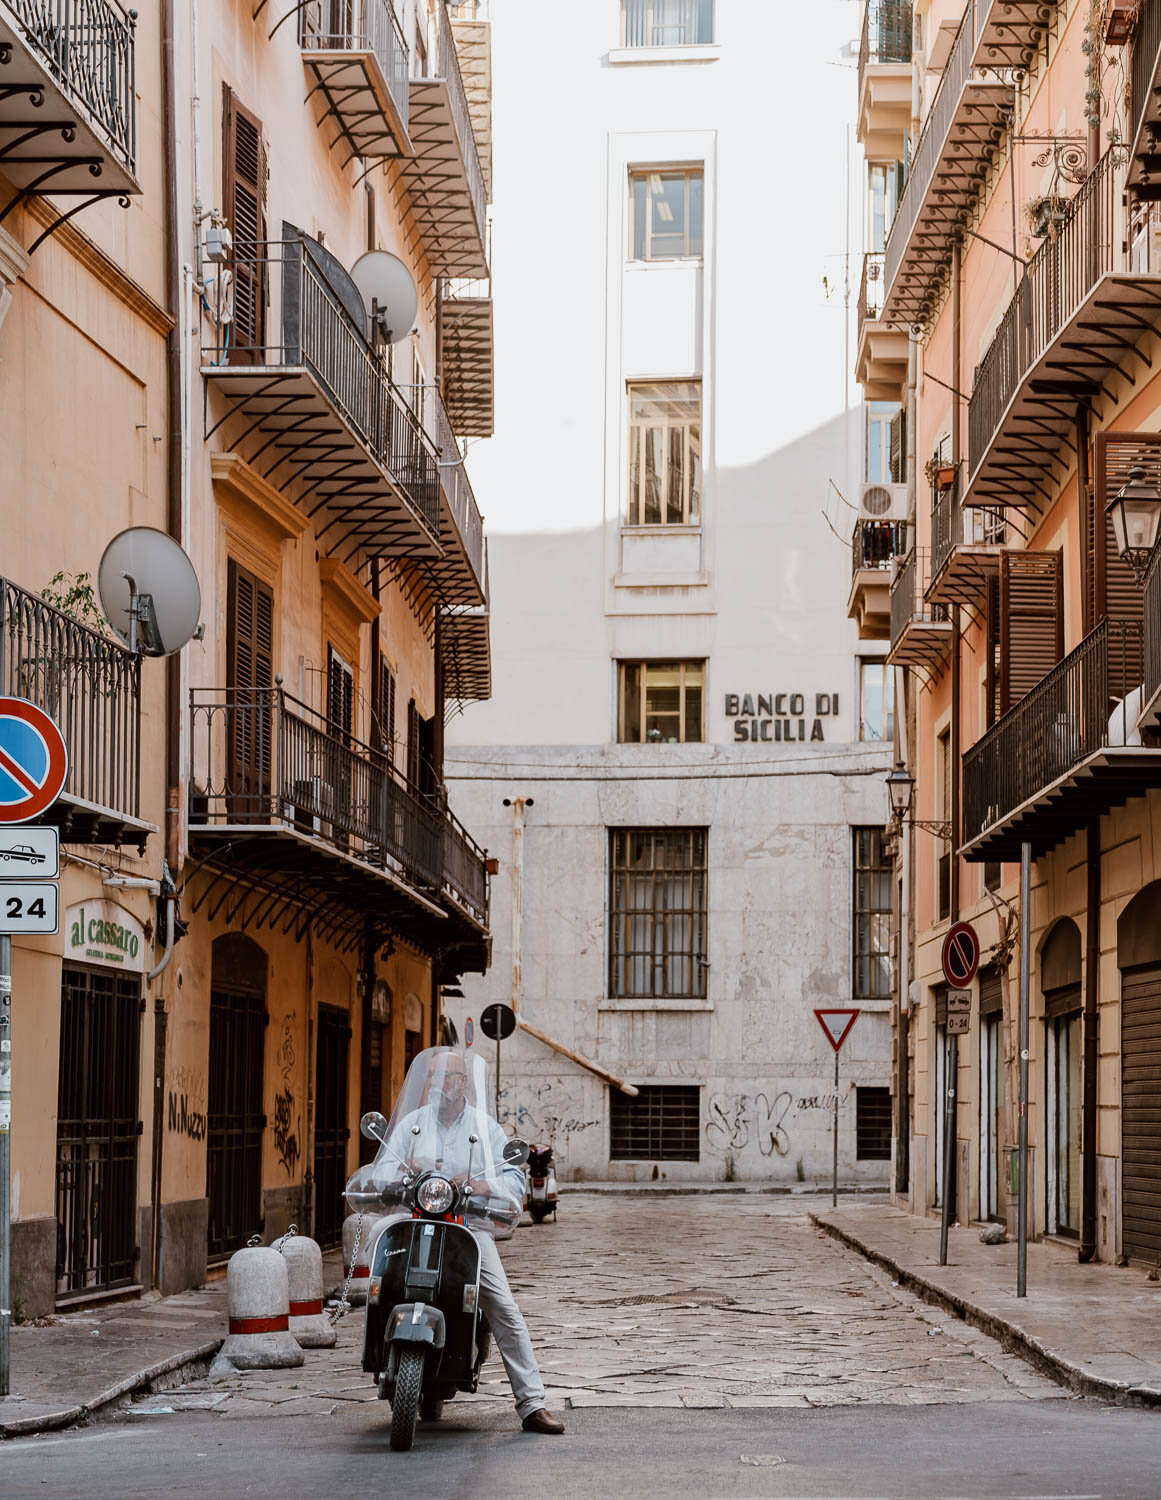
368,1234
304,1268
258,1304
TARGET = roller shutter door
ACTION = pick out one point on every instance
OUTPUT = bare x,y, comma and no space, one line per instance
1141,1113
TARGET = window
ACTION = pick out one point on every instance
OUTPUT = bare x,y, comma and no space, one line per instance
885,183
943,868
665,454
873,1124
385,710
244,200
880,416
657,910
660,1124
667,23
665,214
660,702
876,700
872,916
249,678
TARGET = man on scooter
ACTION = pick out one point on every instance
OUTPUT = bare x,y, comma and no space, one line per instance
441,1129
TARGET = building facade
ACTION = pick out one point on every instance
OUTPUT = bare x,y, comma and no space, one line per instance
1009,320
277,807
680,772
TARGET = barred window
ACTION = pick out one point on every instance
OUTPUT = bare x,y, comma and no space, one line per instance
657,911
872,916
660,702
660,1124
873,1124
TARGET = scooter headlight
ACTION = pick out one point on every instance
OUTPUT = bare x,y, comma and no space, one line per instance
436,1195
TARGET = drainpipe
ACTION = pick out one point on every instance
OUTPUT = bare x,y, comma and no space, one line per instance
903,1008
1088,1148
308,1177
518,804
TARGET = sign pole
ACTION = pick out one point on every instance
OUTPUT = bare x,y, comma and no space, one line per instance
1022,1126
5,1155
497,1073
948,1145
834,1173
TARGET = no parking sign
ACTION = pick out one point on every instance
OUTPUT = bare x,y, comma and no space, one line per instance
34,761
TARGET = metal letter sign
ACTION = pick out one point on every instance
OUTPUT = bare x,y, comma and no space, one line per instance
961,955
837,1025
34,761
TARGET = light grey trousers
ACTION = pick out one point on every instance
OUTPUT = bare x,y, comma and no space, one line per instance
509,1329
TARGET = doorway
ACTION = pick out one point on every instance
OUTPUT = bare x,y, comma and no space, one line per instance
97,1130
1060,984
331,1131
235,1119
992,1141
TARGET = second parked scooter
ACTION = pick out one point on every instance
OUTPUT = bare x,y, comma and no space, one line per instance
540,1198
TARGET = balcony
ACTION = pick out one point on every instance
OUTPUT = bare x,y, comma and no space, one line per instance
1144,174
1080,317
466,649
468,356
881,360
358,59
1062,755
313,405
875,547
293,822
91,687
965,547
1009,33
472,35
885,79
459,573
949,167
68,112
1151,645
920,632
444,178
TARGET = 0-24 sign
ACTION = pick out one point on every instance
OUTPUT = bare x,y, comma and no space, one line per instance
29,906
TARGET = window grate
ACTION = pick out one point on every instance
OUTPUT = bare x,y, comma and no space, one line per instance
660,1124
873,1124
872,915
657,912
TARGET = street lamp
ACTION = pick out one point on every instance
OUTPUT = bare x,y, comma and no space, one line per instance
900,790
1135,511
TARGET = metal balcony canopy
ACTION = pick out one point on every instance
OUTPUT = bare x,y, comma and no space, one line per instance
68,121
965,548
1009,33
920,633
468,355
358,59
465,646
312,405
949,166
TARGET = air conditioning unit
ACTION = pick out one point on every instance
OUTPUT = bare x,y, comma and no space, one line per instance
883,502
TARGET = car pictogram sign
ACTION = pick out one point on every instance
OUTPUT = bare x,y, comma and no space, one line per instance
961,955
837,1025
34,761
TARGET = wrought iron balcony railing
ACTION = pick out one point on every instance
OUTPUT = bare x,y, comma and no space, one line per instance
1152,635
89,46
1146,50
1063,720
446,65
359,26
1058,278
886,34
89,684
954,526
425,401
316,332
260,758
876,544
871,287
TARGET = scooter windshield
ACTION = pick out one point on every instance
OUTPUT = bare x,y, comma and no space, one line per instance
443,1122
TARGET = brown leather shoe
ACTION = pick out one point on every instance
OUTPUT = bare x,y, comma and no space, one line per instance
542,1421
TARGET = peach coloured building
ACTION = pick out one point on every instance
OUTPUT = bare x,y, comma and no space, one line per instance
201,361
1007,341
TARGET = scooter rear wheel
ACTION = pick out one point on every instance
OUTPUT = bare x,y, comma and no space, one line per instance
405,1404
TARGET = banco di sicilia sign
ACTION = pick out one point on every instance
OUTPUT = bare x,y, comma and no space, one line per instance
777,717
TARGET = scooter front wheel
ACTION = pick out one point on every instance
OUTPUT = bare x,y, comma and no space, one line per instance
405,1404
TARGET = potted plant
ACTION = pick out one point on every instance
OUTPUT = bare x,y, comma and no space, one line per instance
1046,214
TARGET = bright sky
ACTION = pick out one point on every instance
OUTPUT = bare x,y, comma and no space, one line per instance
772,300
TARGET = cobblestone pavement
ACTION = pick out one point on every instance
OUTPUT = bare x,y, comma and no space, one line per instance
692,1301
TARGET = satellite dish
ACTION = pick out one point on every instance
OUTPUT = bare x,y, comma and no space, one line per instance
149,591
388,292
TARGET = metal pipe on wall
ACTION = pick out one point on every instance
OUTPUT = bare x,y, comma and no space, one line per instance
1022,1125
1091,1037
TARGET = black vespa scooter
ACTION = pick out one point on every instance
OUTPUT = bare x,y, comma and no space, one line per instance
425,1336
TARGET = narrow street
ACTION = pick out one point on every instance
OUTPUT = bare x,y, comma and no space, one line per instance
706,1344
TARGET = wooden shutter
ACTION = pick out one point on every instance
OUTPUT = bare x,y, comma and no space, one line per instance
1140,1150
412,742
992,673
386,709
340,694
244,196
249,673
1031,621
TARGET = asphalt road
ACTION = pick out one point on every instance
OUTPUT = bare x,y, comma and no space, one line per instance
1010,1449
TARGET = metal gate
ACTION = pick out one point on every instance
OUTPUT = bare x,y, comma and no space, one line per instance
331,1132
235,1120
1141,1113
97,1130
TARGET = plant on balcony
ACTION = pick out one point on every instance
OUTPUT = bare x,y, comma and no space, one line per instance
73,595
940,474
1046,214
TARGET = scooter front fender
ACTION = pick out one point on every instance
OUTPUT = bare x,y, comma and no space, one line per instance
417,1323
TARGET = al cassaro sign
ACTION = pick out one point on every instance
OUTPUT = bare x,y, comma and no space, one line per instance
101,932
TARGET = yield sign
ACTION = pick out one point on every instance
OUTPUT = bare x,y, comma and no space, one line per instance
34,761
837,1025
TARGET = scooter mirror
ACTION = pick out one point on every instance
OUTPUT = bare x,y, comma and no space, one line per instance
516,1152
373,1126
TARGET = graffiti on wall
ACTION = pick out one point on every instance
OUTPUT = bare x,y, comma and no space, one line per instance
545,1110
287,1126
186,1112
736,1121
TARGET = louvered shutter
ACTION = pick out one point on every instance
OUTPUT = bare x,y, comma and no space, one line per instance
412,743
340,694
249,675
244,159
387,709
1031,621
